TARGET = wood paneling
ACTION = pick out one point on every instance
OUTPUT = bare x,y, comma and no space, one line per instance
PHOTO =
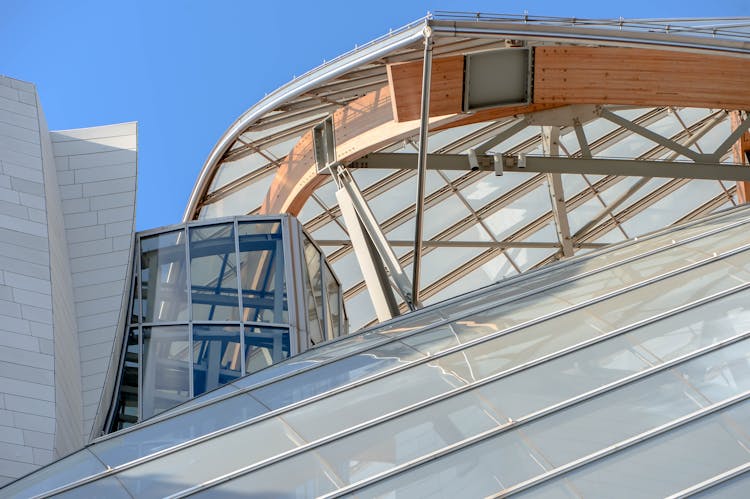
643,77
446,87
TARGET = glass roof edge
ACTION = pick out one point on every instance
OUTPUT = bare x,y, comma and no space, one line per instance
327,71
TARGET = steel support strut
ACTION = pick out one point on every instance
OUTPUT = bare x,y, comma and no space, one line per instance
422,162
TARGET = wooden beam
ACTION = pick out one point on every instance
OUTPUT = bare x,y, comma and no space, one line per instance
362,126
741,155
446,87
641,77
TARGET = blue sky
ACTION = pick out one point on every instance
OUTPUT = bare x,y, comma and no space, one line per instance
185,70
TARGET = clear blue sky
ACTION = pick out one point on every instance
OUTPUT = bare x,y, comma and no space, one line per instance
185,70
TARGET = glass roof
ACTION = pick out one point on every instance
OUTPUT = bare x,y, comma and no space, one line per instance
478,208
627,368
478,224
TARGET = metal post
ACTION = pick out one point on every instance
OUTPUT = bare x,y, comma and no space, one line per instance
422,161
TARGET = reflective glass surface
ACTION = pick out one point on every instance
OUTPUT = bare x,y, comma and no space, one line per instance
164,277
213,273
230,304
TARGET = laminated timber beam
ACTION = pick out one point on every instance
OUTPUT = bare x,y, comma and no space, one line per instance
537,164
562,75
362,126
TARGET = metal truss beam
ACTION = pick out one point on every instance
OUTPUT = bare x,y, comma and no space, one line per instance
537,164
444,243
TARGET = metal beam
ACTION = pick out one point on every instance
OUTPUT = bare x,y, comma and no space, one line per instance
551,141
651,135
422,162
443,243
379,287
537,164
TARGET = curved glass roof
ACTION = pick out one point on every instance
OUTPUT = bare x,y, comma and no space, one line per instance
624,369
478,227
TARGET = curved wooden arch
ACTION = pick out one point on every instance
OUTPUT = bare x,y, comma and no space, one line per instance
563,75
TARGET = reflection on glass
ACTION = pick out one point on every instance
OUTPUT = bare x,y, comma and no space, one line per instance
333,302
166,361
213,273
217,357
265,346
313,292
262,272
163,280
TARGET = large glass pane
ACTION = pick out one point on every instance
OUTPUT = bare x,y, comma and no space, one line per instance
265,346
301,476
108,488
62,472
334,375
313,283
695,328
262,272
217,357
152,438
665,464
166,368
485,466
351,407
163,278
734,488
408,437
213,273
209,459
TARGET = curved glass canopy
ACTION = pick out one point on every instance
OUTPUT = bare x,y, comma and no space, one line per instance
478,227
624,369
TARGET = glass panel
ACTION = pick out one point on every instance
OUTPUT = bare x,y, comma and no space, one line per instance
469,473
62,472
209,459
696,328
152,438
166,371
163,279
265,346
217,357
264,296
300,476
109,487
213,273
734,488
665,464
672,292
334,375
610,418
127,396
413,435
313,284
516,348
333,302
567,376
352,407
